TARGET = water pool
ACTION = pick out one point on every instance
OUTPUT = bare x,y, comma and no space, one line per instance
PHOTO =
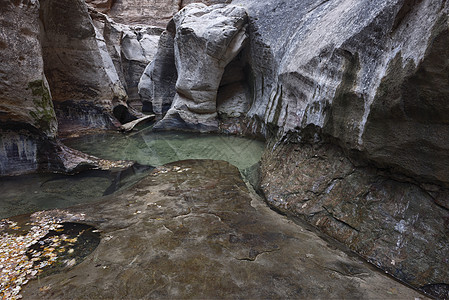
30,193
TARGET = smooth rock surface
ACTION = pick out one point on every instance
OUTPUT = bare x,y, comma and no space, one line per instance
130,47
370,74
207,39
24,91
157,84
78,65
193,230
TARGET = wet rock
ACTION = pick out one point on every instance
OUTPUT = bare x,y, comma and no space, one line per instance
360,89
28,123
395,225
207,39
192,230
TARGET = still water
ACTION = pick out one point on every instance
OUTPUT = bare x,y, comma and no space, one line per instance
26,194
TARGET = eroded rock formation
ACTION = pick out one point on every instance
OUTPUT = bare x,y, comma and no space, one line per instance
150,12
206,40
354,95
158,81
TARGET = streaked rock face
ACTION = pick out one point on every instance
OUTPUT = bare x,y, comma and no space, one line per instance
157,84
77,62
24,91
365,73
148,12
356,96
206,40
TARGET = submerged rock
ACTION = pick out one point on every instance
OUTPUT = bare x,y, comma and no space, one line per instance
193,230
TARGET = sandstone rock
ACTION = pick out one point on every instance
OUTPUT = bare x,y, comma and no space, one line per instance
193,230
130,47
206,40
24,91
150,12
233,98
370,77
27,119
394,225
356,70
157,83
78,65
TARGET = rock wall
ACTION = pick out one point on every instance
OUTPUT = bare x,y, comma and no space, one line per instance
25,101
57,67
78,67
354,97
192,66
148,12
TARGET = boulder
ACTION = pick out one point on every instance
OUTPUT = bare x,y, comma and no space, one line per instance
207,39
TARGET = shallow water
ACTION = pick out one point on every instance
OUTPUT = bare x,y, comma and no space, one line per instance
159,148
30,193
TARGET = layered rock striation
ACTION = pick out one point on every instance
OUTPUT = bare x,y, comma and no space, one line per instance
353,95
205,40
150,12
63,71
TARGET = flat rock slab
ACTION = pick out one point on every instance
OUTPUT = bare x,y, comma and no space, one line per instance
192,229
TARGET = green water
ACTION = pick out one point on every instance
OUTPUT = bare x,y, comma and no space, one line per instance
26,194
151,148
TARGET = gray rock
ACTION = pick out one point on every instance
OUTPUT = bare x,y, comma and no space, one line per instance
369,77
150,12
395,225
157,83
191,230
130,47
77,62
24,92
206,40
355,69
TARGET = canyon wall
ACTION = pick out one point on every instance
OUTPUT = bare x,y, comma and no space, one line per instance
351,95
64,69
148,12
354,96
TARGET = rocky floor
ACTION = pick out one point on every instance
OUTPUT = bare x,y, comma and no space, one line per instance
192,229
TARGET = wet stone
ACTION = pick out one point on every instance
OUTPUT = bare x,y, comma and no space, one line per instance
192,229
